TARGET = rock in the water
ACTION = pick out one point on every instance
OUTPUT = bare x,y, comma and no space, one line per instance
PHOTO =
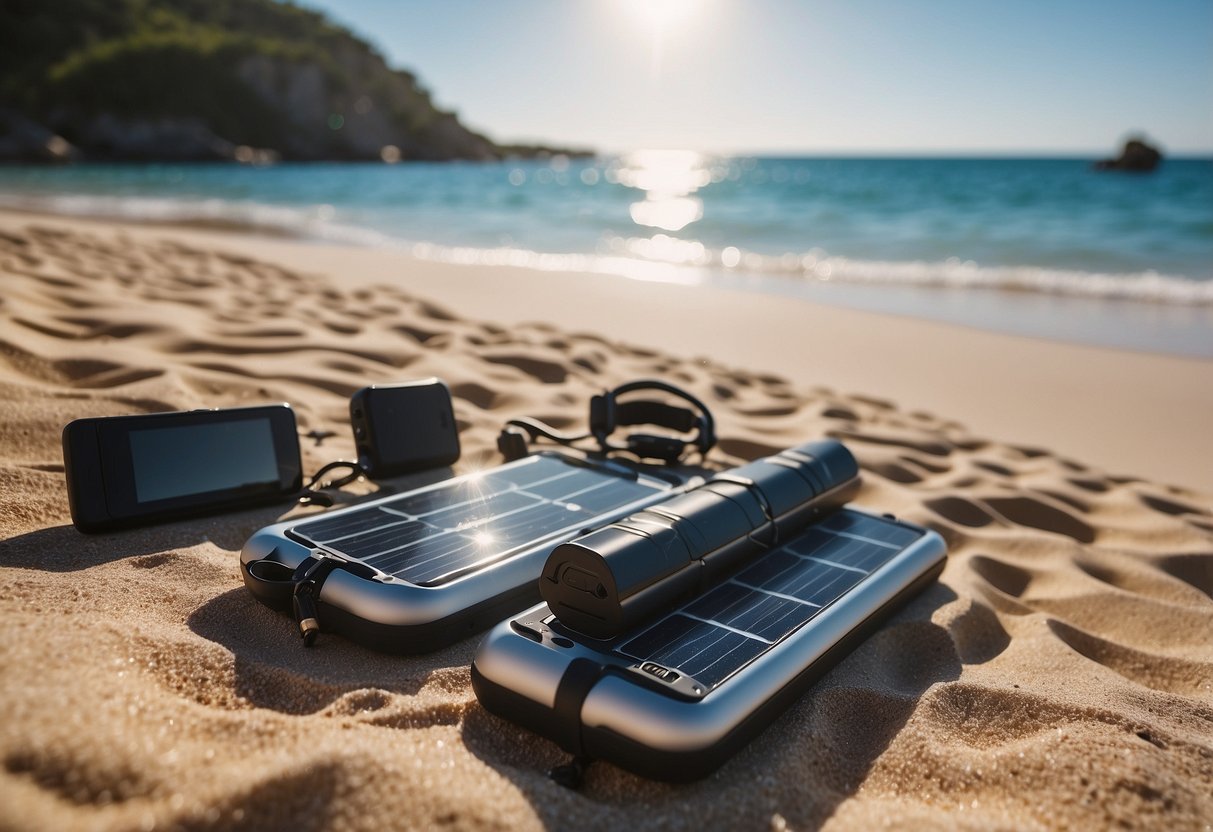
1136,157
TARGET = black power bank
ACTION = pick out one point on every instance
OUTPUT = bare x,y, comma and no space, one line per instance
673,637
404,427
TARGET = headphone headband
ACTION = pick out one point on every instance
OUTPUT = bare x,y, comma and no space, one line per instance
607,414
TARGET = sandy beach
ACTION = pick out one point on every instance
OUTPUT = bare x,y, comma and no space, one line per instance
1060,674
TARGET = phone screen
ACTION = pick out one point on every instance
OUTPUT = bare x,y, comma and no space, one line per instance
198,459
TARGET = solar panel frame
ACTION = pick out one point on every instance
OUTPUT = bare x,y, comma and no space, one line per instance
473,522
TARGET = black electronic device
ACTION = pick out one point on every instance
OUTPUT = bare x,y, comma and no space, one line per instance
127,471
694,426
405,427
688,628
608,581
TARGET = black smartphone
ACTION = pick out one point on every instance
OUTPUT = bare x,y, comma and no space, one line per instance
127,471
404,427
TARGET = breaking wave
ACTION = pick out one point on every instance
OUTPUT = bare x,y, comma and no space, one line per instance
661,257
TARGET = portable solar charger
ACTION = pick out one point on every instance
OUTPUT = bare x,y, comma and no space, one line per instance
680,689
416,571
405,427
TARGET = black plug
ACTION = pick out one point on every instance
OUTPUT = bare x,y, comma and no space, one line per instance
512,442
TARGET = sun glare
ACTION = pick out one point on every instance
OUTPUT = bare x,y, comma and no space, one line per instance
661,20
659,16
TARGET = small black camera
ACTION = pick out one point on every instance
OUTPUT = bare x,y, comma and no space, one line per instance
405,427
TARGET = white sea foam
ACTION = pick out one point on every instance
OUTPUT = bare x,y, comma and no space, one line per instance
693,263
658,258
314,222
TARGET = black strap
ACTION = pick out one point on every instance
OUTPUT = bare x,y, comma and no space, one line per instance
579,677
648,412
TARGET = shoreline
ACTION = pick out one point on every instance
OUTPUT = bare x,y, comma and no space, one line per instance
996,384
1153,313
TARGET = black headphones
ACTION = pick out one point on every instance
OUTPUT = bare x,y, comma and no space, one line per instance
608,413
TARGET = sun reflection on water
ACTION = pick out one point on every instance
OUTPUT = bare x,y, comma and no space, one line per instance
669,178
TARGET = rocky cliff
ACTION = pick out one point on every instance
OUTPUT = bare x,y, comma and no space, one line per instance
183,80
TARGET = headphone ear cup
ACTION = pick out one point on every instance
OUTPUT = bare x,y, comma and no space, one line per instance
602,414
705,438
647,446
512,442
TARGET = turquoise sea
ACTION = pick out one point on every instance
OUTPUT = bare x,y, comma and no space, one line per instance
1036,246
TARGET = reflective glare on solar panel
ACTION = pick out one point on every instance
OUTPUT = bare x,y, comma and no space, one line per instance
720,632
434,536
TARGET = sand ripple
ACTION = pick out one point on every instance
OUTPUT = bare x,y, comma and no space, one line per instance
1060,674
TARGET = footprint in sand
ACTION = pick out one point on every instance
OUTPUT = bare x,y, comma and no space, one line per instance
961,511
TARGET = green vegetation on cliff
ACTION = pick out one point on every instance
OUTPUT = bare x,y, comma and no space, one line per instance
198,78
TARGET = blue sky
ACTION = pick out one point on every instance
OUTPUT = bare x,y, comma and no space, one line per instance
865,76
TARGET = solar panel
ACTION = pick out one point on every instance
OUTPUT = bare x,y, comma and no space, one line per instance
715,635
431,537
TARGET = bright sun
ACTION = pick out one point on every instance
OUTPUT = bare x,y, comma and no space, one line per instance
659,16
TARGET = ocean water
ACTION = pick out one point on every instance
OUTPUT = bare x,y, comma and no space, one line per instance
1036,246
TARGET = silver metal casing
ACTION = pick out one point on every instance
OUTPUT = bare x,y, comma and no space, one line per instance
391,614
667,732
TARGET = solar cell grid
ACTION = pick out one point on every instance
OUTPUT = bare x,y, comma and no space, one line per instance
845,551
419,505
375,541
433,536
874,529
767,616
603,496
722,631
439,549
705,652
559,487
543,468
477,511
341,526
